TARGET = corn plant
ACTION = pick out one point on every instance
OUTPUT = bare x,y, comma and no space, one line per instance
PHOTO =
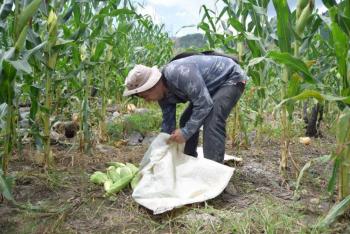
12,66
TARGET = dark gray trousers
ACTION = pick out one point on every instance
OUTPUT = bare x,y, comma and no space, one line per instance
214,126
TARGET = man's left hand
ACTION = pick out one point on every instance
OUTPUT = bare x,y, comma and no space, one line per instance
177,137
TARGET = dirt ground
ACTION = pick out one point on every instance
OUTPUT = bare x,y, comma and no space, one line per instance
64,201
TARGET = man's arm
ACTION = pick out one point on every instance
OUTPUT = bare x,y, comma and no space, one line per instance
187,78
169,116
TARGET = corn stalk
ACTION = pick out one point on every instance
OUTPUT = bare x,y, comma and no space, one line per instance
104,92
51,63
342,153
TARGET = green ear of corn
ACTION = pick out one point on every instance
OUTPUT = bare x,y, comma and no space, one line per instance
98,177
301,4
51,63
118,186
303,19
114,174
21,39
132,167
110,168
125,172
25,15
107,184
118,176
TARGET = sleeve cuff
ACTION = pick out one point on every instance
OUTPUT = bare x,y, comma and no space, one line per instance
185,134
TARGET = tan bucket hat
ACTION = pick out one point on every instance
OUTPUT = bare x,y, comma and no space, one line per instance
141,78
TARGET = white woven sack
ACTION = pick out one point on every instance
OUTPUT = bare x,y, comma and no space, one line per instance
172,179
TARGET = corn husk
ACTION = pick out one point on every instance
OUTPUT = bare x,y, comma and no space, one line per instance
21,39
118,186
26,14
107,185
132,167
98,177
303,19
125,172
113,173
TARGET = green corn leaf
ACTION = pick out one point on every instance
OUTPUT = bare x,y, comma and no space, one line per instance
292,62
284,31
98,51
333,180
341,46
117,12
21,39
334,212
26,14
322,159
222,13
6,184
236,24
76,14
21,65
329,3
314,94
207,15
205,27
293,88
254,61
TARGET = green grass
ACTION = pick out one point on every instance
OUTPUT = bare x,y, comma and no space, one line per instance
142,123
265,216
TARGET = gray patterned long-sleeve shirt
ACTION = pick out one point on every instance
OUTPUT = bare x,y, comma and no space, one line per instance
195,79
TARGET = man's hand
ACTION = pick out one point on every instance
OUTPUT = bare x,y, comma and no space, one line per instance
177,137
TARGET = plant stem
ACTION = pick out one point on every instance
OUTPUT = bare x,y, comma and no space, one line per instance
285,123
47,149
102,124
